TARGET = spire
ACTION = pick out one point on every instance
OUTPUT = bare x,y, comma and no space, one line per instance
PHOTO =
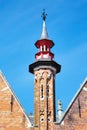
44,34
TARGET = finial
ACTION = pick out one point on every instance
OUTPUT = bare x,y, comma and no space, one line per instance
44,15
44,34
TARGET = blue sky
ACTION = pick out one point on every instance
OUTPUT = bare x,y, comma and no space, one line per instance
20,28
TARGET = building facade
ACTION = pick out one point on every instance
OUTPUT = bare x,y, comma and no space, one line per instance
12,114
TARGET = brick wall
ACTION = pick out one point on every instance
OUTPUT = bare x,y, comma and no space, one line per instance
12,116
44,97
76,116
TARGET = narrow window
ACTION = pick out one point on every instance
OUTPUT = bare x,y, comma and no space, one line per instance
46,48
41,91
42,48
47,90
79,107
11,103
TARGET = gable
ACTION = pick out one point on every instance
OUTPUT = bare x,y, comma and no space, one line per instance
12,115
80,99
75,117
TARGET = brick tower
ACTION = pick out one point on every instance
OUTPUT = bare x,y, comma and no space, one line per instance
44,70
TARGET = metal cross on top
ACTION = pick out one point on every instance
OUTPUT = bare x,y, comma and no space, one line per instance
44,15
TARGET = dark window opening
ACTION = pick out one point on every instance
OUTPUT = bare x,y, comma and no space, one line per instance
47,90
42,48
41,91
11,102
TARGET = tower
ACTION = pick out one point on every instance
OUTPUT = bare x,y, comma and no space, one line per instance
44,70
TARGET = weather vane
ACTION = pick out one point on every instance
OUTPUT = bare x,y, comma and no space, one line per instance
44,15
